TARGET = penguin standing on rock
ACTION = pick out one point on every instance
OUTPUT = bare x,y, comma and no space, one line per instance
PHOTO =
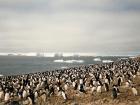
32,96
93,89
51,90
64,95
106,86
7,96
114,92
99,89
119,81
20,94
24,94
81,88
134,91
36,94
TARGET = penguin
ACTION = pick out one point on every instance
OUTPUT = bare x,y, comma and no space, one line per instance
91,83
134,91
87,86
81,88
118,91
100,76
94,83
1,94
51,90
106,86
7,96
32,97
108,77
75,85
66,86
93,89
36,94
114,92
99,89
38,86
20,94
58,88
42,84
64,95
119,81
24,94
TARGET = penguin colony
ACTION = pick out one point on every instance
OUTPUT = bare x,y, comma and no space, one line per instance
37,88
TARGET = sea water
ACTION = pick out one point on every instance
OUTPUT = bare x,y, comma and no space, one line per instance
14,65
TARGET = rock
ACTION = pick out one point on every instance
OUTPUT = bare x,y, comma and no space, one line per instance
105,100
14,103
122,104
136,102
117,101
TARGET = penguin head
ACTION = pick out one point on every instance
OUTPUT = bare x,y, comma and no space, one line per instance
132,86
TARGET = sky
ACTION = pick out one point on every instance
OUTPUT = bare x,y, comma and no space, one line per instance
90,26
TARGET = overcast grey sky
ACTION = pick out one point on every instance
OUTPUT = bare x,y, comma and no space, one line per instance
97,26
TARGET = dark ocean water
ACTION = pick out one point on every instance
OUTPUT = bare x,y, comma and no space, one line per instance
13,65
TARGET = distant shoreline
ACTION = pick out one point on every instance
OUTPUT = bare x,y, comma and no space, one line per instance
104,61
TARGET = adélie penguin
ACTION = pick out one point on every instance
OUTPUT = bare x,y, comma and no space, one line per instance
64,95
7,96
106,86
114,92
99,89
1,94
134,91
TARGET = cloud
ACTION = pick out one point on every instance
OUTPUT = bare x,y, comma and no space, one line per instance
70,5
72,25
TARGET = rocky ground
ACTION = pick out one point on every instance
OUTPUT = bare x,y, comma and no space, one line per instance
125,97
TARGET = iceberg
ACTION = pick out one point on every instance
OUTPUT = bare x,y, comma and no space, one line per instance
97,59
68,61
107,61
1,75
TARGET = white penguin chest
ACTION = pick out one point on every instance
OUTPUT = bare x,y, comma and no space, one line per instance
99,89
7,96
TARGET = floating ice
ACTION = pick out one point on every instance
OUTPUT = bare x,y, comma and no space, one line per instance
1,75
107,61
97,59
68,61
